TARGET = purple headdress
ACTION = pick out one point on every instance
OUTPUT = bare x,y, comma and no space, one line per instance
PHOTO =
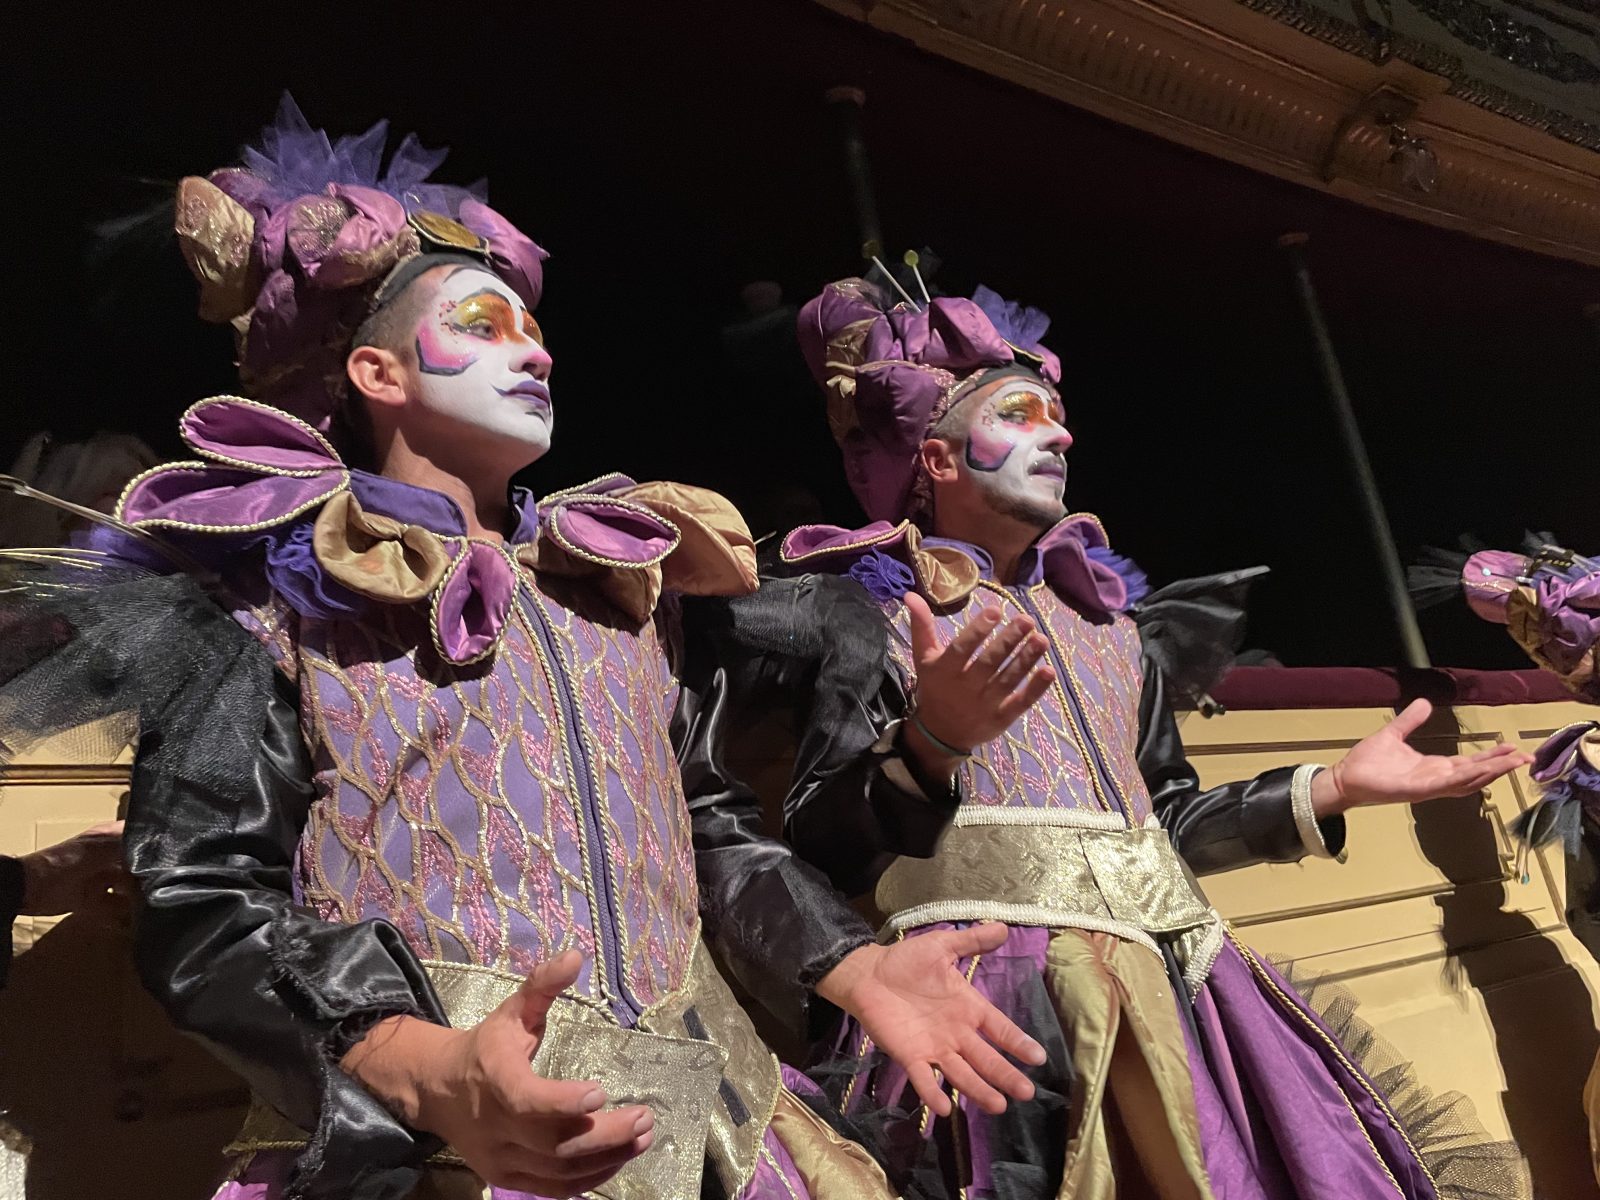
892,371
292,249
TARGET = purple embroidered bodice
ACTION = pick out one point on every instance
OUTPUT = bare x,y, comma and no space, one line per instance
1075,748
501,813
489,724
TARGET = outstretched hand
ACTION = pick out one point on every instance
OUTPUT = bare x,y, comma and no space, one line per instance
475,1089
918,1008
1383,769
970,690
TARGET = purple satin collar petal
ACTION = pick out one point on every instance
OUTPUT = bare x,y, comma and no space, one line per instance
223,498
473,603
244,432
611,532
1061,559
825,540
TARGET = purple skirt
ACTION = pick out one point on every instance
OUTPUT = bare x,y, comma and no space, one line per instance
1251,1091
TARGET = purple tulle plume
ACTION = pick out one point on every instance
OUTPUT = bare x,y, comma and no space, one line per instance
1017,323
296,575
1135,580
293,159
885,578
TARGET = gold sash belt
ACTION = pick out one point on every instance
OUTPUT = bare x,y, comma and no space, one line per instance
693,1057
1061,869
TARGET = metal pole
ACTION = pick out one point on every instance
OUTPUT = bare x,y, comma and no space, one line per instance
1378,529
847,103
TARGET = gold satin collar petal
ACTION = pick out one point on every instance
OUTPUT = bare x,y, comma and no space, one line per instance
377,556
945,575
633,589
716,555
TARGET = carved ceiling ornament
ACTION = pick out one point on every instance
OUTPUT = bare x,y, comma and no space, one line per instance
1283,87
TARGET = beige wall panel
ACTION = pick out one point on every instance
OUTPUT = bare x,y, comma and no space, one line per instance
1467,969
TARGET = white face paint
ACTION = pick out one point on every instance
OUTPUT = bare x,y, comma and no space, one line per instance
1015,452
482,370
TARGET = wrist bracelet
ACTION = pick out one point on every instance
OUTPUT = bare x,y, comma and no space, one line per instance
938,743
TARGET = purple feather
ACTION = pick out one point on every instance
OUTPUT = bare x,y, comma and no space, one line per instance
293,159
1135,580
1017,323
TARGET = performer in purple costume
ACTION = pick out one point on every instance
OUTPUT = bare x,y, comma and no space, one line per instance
1182,1065
428,800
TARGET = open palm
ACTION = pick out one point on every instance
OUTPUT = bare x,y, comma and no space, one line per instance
918,1008
1383,769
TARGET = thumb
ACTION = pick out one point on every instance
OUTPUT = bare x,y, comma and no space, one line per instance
1411,719
538,991
924,633
976,939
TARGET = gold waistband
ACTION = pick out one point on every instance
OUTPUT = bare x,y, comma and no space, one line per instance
1056,868
693,1057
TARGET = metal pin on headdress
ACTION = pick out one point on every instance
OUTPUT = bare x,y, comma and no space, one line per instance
911,258
870,250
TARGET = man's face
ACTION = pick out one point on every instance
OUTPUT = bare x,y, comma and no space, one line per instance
1015,453
482,370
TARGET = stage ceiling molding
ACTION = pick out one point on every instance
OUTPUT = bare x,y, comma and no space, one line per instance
1503,94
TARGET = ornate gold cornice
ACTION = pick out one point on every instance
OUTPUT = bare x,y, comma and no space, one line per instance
1219,77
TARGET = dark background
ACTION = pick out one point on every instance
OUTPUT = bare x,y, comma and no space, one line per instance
669,154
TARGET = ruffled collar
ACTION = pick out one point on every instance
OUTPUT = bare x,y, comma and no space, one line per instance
1073,558
336,537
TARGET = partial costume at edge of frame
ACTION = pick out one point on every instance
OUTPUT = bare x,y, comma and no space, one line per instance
1548,598
384,767
1178,1056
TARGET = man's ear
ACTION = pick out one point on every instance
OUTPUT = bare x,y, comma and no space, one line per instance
939,458
377,374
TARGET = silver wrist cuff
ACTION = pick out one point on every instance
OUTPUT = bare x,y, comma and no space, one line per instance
1305,818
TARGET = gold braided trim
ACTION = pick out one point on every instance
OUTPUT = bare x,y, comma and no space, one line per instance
693,1057
1042,916
969,815
1294,1009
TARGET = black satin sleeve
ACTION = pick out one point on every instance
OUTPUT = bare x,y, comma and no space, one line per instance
220,792
773,920
1220,828
818,646
11,888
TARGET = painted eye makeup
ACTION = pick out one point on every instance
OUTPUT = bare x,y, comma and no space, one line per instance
1022,408
483,314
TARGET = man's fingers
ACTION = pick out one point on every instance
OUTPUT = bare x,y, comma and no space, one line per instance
975,939
994,652
608,1132
960,1075
543,984
1411,719
1006,1034
1504,750
1016,668
536,1097
995,1070
926,1083
1020,701
965,644
924,633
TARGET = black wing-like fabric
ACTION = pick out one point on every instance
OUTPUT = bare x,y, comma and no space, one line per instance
774,920
855,803
1191,631
1193,628
220,790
